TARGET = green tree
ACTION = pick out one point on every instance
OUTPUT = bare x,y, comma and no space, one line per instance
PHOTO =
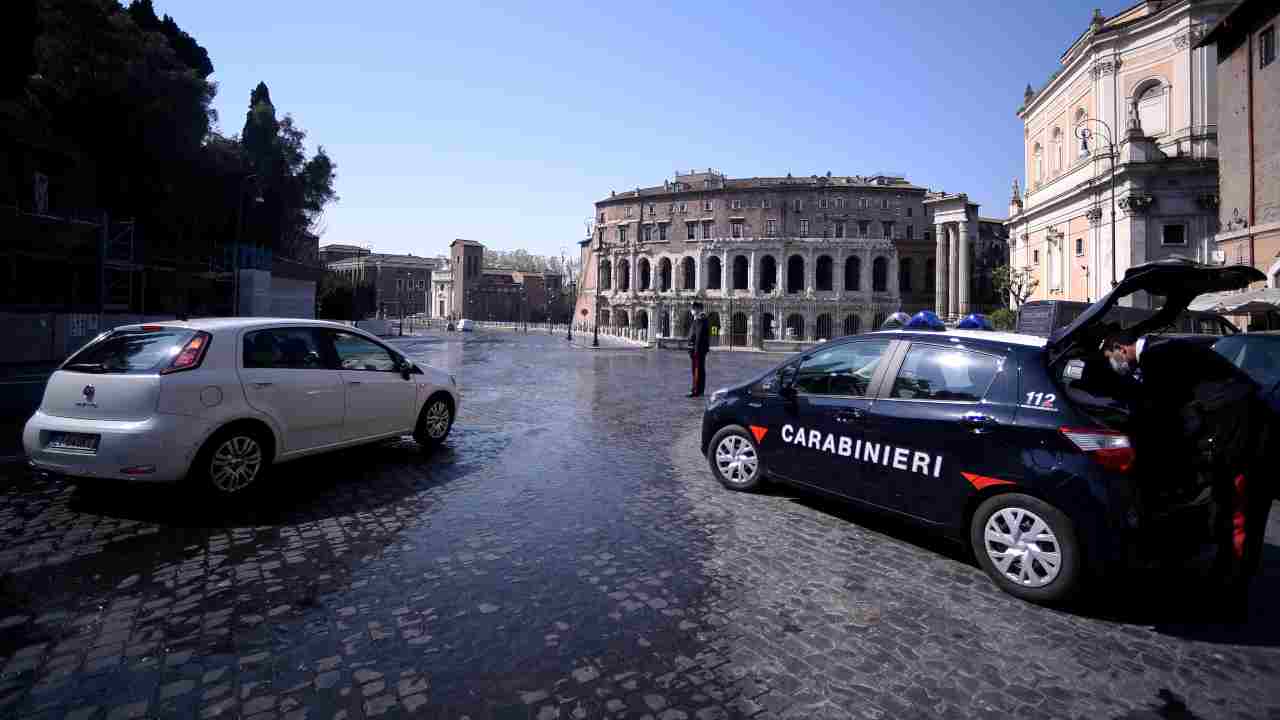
1004,319
295,189
1014,284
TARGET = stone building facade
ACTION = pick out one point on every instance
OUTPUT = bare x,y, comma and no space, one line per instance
1249,128
804,258
1145,185
498,294
401,282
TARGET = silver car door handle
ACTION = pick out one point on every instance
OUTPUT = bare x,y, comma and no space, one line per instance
979,421
263,384
353,382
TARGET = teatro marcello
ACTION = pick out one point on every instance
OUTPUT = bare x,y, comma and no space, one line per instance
785,258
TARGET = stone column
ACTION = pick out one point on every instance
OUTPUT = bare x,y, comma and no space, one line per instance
868,260
726,274
953,268
837,272
965,280
810,271
940,270
751,273
893,273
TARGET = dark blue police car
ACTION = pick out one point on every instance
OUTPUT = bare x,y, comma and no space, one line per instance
1010,442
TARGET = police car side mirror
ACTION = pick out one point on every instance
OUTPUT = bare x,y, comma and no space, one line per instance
787,382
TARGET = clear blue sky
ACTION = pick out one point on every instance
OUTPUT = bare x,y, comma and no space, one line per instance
505,124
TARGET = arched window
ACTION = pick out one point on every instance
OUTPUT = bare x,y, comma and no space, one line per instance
1057,150
738,332
768,330
664,324
624,275
795,326
853,273
879,275
851,324
621,318
768,274
713,273
664,274
930,275
643,265
795,274
824,279
606,275
904,275
823,327
740,272
642,319
687,274
604,318
1152,102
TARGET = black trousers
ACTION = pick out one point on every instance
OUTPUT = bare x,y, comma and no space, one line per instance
699,362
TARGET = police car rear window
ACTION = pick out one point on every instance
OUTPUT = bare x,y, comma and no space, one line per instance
931,372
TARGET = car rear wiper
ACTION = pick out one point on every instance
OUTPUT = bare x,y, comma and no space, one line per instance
85,367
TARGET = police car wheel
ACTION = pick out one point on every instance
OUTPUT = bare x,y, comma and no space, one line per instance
1027,546
735,458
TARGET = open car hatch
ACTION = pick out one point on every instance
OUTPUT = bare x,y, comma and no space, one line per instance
1178,280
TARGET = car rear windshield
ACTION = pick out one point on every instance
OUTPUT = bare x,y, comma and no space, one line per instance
130,351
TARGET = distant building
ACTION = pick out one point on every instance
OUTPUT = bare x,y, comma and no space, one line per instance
402,283
1138,82
441,304
774,258
499,294
334,253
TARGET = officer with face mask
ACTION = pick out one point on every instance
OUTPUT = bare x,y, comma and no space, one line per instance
1202,436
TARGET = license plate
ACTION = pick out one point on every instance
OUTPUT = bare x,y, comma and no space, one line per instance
80,442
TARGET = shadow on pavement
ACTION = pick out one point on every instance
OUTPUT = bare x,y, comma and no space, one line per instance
1180,602
1189,604
309,489
880,521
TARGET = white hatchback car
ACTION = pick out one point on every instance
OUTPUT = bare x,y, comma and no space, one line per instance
465,325
219,400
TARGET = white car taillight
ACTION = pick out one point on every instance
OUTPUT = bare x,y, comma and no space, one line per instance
1108,448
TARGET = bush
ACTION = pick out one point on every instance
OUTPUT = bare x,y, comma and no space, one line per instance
1003,319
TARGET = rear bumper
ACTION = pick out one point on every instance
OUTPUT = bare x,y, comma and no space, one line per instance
163,445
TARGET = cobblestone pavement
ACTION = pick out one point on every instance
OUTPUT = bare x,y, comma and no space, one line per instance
567,555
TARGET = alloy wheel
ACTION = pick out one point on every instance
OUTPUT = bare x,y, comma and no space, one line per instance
736,460
236,464
437,419
1023,547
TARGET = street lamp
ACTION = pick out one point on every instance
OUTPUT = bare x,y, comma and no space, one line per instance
235,259
1084,133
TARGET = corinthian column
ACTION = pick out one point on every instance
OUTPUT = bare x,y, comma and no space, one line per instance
965,280
953,267
940,270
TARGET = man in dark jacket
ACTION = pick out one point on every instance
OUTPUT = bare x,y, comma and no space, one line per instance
1200,427
699,346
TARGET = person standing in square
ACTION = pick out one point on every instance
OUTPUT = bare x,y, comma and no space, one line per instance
699,346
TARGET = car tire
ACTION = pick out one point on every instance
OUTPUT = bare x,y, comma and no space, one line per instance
232,462
435,420
1017,538
734,457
